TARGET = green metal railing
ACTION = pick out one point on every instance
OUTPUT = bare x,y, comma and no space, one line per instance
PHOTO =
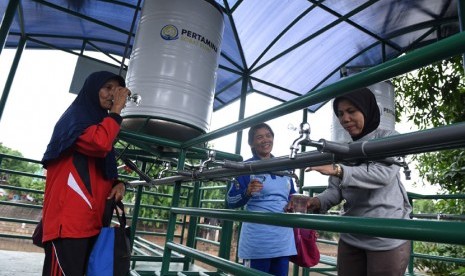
184,251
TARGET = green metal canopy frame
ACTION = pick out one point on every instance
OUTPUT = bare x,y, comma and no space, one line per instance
302,53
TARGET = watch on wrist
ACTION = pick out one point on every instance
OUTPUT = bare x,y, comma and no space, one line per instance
339,171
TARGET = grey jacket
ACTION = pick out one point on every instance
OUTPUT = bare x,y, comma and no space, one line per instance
376,191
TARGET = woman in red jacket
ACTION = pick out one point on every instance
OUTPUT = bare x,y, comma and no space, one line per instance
81,173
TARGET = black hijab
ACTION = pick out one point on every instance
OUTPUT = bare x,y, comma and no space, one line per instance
83,112
365,101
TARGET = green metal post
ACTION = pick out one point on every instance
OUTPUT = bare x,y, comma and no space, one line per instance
411,259
302,149
171,228
226,239
11,75
7,20
192,231
135,213
227,230
243,102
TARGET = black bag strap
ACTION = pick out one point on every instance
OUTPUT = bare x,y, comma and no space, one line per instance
108,213
110,207
122,217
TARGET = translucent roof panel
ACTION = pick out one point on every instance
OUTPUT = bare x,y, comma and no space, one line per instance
281,49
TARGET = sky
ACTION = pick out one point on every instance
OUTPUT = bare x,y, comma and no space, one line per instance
39,95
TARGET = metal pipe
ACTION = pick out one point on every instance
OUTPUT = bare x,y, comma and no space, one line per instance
427,140
440,138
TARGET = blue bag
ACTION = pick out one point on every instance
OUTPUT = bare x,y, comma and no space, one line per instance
111,253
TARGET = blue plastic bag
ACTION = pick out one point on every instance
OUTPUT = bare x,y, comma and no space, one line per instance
101,258
111,253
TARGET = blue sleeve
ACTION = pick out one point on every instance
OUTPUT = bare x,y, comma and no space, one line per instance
237,196
292,190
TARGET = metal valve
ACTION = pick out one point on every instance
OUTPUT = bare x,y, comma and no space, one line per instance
135,98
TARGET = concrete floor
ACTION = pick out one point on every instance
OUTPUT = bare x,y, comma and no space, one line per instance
14,263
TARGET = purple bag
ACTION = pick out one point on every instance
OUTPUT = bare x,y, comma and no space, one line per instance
308,254
37,235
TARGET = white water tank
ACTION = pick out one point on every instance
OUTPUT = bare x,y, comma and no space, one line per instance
173,68
384,94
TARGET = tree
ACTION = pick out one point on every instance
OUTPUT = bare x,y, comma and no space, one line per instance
13,164
434,96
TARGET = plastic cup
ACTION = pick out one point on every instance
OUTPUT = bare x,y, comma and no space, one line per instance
299,203
260,178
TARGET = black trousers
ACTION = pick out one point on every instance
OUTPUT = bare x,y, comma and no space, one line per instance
67,256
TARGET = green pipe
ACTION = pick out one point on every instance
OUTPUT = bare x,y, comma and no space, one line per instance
419,196
420,230
28,221
123,134
14,188
22,205
144,258
214,187
193,221
242,105
22,173
213,227
209,242
439,258
302,149
451,46
225,265
20,158
13,236
226,233
137,205
7,20
11,75
171,227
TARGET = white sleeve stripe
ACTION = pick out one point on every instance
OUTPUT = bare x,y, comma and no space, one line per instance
234,199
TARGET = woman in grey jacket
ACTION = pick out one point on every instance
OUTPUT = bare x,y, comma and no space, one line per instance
373,191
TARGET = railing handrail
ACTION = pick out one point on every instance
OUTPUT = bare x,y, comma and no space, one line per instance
408,229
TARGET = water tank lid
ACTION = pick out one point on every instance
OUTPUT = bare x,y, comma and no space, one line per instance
216,5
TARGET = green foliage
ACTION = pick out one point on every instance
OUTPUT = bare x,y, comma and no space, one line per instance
424,206
17,165
430,97
434,96
436,267
218,194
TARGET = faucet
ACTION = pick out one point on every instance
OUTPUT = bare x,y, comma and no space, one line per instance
211,159
167,167
303,139
403,163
